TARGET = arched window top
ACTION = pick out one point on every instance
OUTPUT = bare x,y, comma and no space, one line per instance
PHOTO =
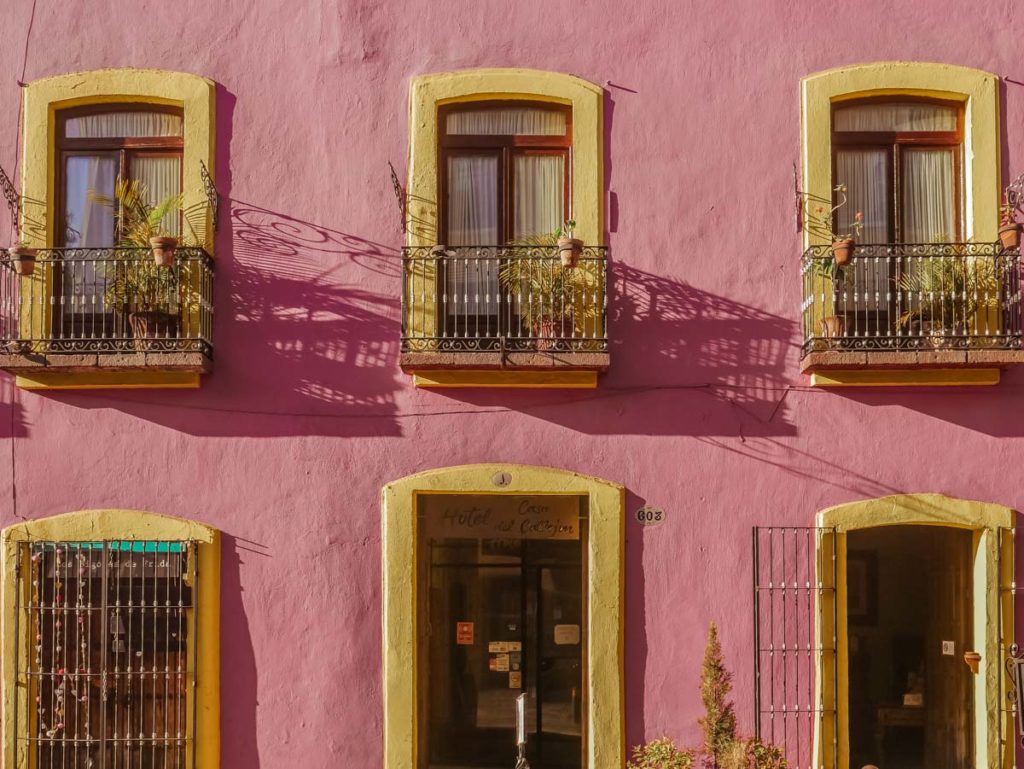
505,118
901,116
129,121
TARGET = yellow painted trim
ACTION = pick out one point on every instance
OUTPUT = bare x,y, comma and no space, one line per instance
109,380
521,379
125,524
930,377
587,165
605,733
976,89
195,95
985,521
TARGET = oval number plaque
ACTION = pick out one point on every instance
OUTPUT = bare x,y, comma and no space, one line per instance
650,516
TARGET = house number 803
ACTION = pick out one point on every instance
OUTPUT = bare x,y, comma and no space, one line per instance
650,516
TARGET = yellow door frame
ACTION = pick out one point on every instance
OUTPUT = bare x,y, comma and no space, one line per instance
992,613
605,745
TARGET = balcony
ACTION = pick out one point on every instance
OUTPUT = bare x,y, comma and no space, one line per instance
906,307
104,310
504,309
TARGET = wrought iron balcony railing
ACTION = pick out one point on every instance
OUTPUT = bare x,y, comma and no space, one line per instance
912,297
504,299
101,301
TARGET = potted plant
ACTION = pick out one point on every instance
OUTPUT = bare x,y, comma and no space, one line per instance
818,220
23,258
152,296
140,224
950,291
1009,227
569,248
561,290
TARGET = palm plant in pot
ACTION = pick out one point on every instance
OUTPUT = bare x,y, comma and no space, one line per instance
141,224
551,299
945,297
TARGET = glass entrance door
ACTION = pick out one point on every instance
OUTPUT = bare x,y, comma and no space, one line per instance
504,609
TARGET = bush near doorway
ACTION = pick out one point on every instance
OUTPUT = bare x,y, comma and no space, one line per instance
722,748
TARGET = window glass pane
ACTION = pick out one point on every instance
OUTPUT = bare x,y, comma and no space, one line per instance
88,222
929,212
507,121
539,194
161,176
117,125
909,116
473,200
864,174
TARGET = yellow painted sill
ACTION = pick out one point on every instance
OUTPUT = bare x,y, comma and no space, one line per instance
453,378
934,377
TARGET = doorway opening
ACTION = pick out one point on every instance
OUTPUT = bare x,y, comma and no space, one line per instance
909,624
502,607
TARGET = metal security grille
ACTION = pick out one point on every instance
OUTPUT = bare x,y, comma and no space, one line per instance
107,659
794,596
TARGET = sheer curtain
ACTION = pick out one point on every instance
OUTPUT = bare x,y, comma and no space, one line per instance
864,174
507,121
161,176
929,214
539,194
472,221
118,125
88,224
908,116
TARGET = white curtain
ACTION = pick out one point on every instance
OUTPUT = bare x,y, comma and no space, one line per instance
116,125
161,176
539,194
510,121
929,213
909,116
88,224
472,221
864,174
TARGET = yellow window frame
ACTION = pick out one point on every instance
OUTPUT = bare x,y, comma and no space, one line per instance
91,525
605,735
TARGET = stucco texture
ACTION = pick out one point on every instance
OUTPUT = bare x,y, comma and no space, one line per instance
286,446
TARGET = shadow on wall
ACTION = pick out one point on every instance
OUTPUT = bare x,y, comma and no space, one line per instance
684,362
300,349
238,677
13,422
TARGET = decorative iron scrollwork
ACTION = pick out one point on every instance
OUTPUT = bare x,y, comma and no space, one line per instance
399,195
13,201
1015,678
212,195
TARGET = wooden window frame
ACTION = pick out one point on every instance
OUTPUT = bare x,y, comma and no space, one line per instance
894,142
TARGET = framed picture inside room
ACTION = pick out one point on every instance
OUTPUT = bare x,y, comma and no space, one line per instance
861,587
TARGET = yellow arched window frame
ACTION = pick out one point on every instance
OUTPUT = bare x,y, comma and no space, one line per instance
605,735
123,525
991,619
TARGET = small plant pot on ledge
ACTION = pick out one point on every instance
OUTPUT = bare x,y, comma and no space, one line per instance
150,327
163,250
570,250
842,251
1009,235
973,659
23,259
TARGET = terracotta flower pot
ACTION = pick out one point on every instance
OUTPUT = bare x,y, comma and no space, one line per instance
547,331
163,251
570,249
1009,235
842,250
23,259
833,327
973,659
148,327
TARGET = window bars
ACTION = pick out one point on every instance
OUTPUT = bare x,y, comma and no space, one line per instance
106,663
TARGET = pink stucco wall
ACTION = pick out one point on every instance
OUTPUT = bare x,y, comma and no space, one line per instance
286,446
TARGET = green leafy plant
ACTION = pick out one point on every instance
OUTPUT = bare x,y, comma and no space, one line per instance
137,219
566,293
566,230
719,721
949,291
660,754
